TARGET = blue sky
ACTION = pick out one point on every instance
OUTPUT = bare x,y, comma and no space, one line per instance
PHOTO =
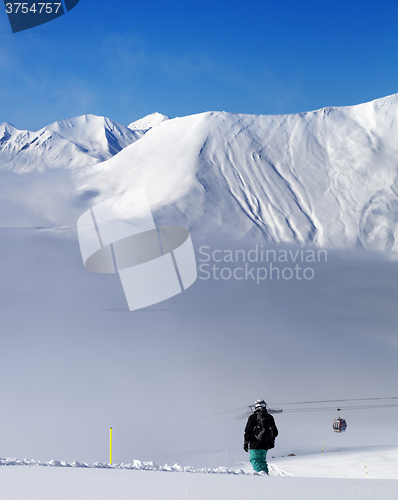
125,59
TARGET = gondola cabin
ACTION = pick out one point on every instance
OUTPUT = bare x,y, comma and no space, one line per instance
339,425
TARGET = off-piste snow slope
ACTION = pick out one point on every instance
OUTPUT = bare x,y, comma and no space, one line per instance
327,177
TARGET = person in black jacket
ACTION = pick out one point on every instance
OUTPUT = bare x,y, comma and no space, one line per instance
260,434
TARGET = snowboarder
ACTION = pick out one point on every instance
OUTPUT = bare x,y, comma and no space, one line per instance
260,434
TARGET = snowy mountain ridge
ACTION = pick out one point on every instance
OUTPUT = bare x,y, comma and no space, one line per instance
327,178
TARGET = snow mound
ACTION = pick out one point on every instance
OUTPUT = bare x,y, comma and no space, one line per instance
138,465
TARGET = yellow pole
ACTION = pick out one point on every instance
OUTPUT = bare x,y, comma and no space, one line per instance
366,470
323,444
110,446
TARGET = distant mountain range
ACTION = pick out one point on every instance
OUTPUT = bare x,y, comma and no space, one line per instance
72,143
327,178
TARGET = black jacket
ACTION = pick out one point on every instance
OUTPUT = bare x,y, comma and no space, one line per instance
268,441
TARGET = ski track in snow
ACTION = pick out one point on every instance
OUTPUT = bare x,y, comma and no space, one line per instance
138,465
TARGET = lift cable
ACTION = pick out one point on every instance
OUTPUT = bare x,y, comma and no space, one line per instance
343,408
301,403
332,401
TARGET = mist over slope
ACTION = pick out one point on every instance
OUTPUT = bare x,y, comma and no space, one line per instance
327,177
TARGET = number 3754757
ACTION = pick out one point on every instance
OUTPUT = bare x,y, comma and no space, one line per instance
36,8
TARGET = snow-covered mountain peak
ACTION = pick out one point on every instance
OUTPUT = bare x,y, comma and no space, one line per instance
71,143
148,122
95,133
6,131
6,127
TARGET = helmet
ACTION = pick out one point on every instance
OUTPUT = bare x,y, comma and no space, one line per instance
260,404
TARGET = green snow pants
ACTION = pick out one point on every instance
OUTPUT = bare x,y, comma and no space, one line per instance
258,459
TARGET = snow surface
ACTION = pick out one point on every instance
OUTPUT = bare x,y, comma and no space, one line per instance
381,463
55,480
50,483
